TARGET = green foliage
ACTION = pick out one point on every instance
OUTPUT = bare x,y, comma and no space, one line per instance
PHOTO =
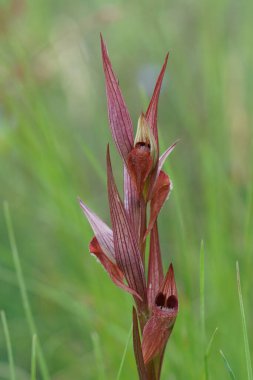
22,287
9,346
130,334
229,369
245,332
53,136
33,358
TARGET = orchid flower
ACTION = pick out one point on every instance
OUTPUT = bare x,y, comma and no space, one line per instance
121,249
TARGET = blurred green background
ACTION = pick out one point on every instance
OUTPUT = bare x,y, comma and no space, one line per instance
53,136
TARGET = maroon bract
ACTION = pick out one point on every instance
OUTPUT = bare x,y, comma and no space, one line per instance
122,249
164,312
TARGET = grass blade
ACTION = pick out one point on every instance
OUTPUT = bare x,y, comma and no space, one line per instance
98,356
124,353
244,326
207,352
202,304
230,371
33,358
208,349
202,291
202,311
24,296
9,347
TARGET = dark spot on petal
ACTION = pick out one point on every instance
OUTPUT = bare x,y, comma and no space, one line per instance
143,146
172,302
160,300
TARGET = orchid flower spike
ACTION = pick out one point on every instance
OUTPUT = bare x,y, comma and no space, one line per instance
121,248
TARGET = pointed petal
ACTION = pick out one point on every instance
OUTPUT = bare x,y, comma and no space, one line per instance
155,269
160,194
137,349
169,284
127,252
151,114
131,202
157,330
164,156
102,232
119,118
111,268
158,168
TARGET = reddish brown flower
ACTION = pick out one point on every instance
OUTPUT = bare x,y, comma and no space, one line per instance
164,312
121,249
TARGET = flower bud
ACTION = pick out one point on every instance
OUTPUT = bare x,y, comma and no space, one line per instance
143,157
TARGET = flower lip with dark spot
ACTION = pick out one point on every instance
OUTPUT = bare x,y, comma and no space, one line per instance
143,144
160,300
172,302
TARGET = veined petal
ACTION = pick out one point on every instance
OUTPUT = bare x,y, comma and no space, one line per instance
119,118
111,268
127,253
137,349
102,232
157,330
155,269
151,113
169,287
156,334
159,195
131,202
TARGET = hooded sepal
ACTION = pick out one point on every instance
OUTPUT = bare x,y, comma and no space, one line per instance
127,254
144,137
111,267
159,327
137,348
159,195
119,118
